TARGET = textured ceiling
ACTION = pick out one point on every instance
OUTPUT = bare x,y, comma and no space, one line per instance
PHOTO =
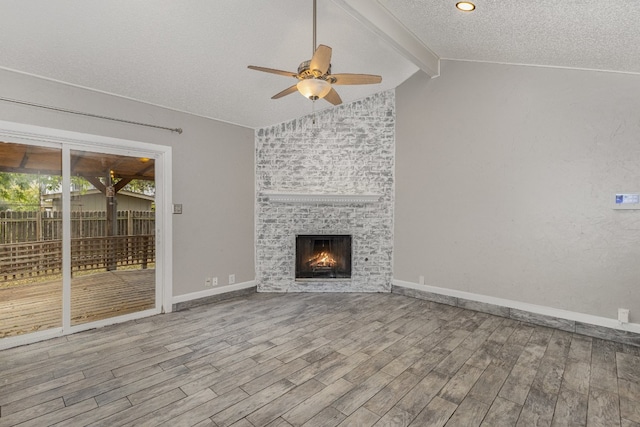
586,34
192,55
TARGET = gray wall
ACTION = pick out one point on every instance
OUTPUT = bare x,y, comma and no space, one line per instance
213,171
504,184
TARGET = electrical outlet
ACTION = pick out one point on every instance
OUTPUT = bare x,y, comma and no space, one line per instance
208,282
623,315
421,280
232,279
214,281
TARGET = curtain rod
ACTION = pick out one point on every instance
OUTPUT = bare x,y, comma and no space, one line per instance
80,113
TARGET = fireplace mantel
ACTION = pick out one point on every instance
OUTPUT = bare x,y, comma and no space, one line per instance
334,198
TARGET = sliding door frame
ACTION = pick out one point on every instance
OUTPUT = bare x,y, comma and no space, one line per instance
67,141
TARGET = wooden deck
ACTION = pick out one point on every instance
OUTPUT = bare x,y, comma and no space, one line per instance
36,307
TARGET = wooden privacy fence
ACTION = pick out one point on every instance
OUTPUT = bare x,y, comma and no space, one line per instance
35,259
36,226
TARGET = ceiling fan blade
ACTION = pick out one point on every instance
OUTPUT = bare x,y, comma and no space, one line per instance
285,92
321,61
333,97
355,79
273,71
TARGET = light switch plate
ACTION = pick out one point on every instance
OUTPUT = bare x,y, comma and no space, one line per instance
177,208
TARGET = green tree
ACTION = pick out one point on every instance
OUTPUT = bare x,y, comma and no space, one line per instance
20,191
141,186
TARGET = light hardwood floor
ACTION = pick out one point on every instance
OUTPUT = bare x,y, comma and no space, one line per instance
322,359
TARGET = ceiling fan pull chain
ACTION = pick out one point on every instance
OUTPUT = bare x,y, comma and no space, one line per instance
313,107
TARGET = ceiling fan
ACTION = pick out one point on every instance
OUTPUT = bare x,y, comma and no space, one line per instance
314,76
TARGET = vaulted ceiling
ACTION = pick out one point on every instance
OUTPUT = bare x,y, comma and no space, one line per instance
192,55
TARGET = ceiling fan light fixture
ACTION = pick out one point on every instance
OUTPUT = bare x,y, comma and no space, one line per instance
313,88
465,6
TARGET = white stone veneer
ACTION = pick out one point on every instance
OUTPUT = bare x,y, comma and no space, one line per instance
348,150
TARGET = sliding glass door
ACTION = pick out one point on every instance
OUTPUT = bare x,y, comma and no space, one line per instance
112,235
30,239
79,234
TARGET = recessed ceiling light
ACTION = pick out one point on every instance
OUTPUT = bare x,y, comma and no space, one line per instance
465,6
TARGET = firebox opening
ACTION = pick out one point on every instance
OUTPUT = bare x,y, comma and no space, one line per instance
323,257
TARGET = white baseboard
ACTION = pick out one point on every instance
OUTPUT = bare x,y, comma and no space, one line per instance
213,291
532,308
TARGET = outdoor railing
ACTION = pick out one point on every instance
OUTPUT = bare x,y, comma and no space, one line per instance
36,259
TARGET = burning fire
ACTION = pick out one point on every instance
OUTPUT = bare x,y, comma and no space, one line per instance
323,259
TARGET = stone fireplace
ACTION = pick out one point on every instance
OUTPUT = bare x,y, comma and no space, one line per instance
330,174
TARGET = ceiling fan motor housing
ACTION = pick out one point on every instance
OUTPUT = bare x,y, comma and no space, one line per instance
304,72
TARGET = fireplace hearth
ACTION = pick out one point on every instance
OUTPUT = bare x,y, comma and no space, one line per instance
323,257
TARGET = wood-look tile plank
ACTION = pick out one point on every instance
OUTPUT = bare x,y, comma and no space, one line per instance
31,412
628,367
321,352
174,409
368,368
337,370
538,409
604,366
629,390
396,417
62,414
273,410
230,380
72,397
428,362
311,370
278,374
96,415
300,351
580,349
489,384
416,399
386,398
435,414
328,417
402,362
452,363
603,409
203,412
518,383
460,384
278,422
314,404
142,384
571,408
9,397
577,375
469,413
502,413
251,403
134,412
280,349
168,385
357,396
360,418
27,402
242,423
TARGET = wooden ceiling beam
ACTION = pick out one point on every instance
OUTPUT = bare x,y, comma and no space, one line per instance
120,184
95,181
